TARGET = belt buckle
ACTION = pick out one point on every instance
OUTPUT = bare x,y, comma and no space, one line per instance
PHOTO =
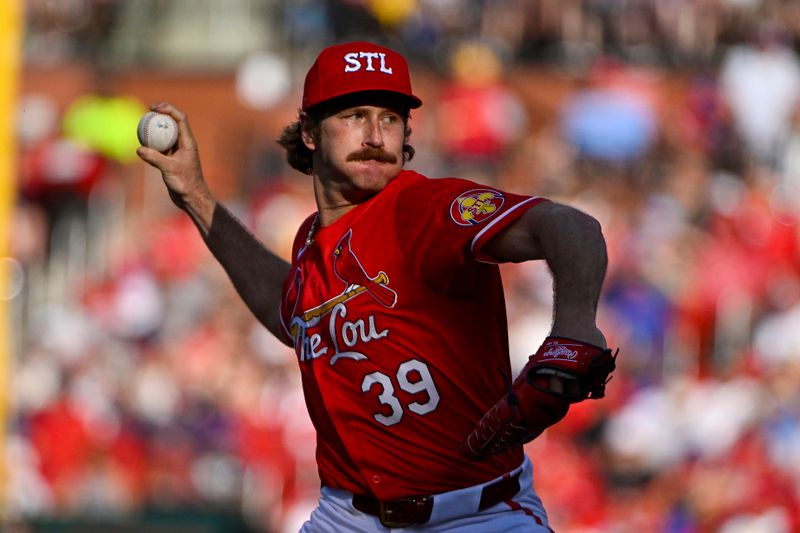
386,512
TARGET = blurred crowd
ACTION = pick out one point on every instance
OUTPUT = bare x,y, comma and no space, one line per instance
141,381
670,33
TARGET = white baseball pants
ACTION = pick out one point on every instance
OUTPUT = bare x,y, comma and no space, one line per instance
454,511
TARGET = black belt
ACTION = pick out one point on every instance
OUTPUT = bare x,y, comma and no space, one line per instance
417,509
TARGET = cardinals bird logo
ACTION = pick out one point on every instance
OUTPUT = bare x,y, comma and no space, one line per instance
348,268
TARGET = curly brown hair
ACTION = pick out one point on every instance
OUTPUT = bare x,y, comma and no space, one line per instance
298,154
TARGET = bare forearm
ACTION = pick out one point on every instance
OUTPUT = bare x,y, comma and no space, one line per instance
573,245
256,273
575,251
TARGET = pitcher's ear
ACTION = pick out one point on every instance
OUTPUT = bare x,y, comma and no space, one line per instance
308,131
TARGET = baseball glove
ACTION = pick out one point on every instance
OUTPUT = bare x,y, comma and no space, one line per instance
531,406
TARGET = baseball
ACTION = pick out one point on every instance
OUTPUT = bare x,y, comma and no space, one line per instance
157,130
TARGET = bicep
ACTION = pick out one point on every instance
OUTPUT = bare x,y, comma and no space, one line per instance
543,231
521,241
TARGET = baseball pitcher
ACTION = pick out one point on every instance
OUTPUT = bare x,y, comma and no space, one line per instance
393,303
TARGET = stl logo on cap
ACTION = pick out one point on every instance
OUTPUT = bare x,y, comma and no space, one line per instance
475,206
358,67
353,63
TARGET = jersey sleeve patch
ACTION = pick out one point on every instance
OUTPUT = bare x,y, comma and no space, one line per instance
475,206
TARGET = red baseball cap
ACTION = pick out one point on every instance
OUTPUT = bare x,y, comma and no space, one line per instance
357,67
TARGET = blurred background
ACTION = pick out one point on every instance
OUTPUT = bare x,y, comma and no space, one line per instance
138,394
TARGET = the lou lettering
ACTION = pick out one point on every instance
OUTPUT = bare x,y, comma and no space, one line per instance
343,336
352,332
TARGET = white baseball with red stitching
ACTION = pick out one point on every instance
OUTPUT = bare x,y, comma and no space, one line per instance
158,131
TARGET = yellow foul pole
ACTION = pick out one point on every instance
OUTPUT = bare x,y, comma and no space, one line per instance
10,63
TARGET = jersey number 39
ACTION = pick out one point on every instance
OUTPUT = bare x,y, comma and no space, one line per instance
387,395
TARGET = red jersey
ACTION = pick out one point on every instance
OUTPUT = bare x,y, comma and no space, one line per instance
399,325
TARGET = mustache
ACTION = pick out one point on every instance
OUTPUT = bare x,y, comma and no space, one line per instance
370,154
